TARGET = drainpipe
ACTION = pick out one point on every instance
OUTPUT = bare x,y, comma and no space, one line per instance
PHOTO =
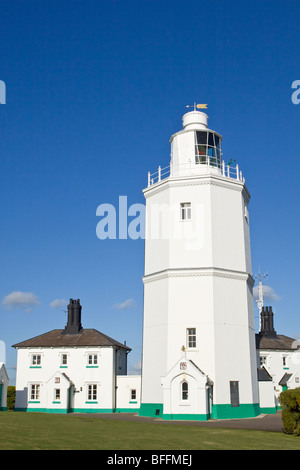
116,353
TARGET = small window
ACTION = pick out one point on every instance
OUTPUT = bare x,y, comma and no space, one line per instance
284,361
185,211
57,394
263,361
92,359
64,359
92,392
133,394
191,338
35,392
36,360
246,213
184,391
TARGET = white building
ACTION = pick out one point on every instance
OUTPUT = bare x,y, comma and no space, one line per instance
198,285
4,380
278,357
74,370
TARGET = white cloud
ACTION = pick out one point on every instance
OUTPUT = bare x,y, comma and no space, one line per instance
20,300
136,369
58,303
129,303
268,293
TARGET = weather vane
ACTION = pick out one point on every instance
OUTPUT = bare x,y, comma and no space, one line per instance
197,106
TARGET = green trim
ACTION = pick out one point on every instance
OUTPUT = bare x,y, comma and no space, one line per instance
38,410
92,367
93,410
3,408
186,417
57,410
35,367
245,410
131,401
63,367
34,401
56,402
66,410
268,410
150,410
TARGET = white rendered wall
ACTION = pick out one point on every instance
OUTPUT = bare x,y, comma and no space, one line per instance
274,365
266,395
198,274
125,384
77,370
203,283
4,380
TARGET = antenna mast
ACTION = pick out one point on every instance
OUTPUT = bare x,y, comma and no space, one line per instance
260,300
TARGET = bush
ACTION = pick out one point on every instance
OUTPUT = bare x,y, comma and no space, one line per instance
11,397
290,403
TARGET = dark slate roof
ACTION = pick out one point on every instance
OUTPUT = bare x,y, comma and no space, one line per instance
274,342
58,338
263,375
284,379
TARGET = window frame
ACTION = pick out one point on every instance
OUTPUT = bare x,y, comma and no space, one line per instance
191,338
35,360
185,211
92,360
35,393
92,393
184,392
57,395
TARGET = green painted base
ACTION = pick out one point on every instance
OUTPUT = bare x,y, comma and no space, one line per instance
151,410
126,410
268,411
79,410
186,417
3,408
230,412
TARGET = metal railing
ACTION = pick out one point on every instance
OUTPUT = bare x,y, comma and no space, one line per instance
196,169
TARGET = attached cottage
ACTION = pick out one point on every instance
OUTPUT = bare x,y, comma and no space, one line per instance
73,370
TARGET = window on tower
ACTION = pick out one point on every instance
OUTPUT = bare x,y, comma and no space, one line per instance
185,211
208,148
184,390
191,338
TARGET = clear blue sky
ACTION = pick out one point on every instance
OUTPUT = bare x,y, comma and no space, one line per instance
95,89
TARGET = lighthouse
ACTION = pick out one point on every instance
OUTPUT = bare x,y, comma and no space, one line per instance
199,356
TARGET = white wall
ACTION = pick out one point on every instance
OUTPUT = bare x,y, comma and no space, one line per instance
4,380
125,384
80,373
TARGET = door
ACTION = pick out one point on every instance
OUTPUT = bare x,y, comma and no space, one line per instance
234,393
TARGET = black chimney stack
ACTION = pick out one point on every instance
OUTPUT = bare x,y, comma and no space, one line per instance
74,325
267,322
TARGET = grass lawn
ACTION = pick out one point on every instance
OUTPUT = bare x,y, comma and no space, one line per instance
41,431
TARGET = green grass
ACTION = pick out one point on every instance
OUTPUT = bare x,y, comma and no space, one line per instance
40,431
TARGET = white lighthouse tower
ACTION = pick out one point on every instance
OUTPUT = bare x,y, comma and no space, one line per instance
199,357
